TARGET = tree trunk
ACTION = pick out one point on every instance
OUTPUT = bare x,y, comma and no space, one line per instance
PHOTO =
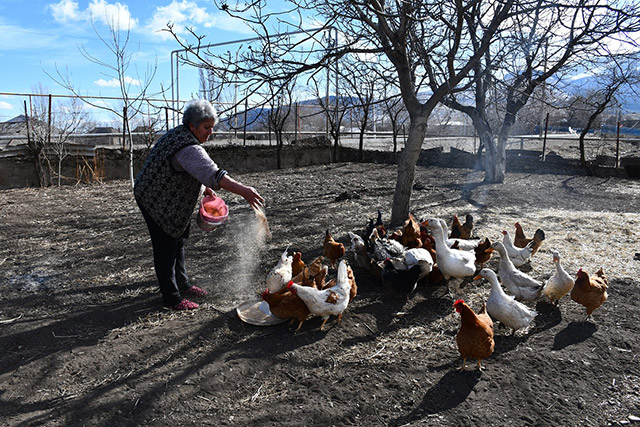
585,130
131,175
278,134
499,153
406,168
494,160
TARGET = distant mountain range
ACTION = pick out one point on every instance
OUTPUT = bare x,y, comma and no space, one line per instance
630,101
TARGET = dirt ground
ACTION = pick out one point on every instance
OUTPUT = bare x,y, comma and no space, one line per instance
86,341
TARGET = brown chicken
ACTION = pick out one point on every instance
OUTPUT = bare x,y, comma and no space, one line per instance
304,278
331,249
455,228
591,292
467,227
475,337
297,265
310,274
287,305
461,231
396,235
482,255
521,241
319,278
411,233
484,316
352,281
435,276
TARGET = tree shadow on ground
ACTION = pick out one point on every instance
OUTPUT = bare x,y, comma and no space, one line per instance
85,326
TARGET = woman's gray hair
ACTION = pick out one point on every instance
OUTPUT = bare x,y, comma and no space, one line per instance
198,110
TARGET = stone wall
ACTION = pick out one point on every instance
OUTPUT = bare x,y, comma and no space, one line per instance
113,163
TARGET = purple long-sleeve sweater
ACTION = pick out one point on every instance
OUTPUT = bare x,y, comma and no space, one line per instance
194,160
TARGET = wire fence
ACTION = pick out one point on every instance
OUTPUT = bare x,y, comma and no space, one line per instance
250,125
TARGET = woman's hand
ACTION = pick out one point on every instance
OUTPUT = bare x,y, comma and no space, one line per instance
249,193
253,197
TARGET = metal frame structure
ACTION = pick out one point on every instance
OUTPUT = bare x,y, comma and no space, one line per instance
175,79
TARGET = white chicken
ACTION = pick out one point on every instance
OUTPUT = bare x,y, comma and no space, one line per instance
518,256
421,257
522,286
359,249
281,273
503,307
329,301
451,262
560,283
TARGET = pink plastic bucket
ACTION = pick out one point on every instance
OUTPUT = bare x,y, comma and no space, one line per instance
213,212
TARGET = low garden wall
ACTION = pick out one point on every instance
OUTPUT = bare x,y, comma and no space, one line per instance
112,163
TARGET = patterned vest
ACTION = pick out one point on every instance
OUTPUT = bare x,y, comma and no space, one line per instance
167,195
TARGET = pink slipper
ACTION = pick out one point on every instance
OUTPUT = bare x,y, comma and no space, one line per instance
185,304
195,291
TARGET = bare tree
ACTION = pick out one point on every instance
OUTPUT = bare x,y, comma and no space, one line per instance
362,87
117,41
38,132
545,38
52,125
396,113
281,106
70,118
425,43
334,110
147,126
615,74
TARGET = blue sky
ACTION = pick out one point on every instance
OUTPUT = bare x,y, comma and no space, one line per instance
40,35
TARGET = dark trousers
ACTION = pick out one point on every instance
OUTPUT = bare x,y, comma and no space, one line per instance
168,260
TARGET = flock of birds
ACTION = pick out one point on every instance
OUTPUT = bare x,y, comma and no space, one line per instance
426,252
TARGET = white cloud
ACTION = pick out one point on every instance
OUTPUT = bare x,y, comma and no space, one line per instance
5,106
116,14
581,75
180,14
115,83
65,11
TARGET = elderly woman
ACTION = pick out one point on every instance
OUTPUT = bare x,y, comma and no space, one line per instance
167,190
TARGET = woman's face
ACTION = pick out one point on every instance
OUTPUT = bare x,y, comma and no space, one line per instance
203,131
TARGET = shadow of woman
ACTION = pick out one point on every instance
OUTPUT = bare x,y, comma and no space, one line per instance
452,389
574,333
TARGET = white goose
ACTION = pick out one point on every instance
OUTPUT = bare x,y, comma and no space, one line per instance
522,286
519,256
451,262
560,283
503,307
